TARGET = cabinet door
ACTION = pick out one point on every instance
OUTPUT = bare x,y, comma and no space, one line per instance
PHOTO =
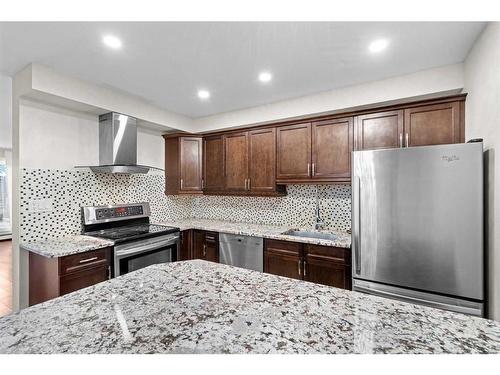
294,152
211,249
198,244
282,265
331,149
185,250
213,163
283,258
190,164
326,271
379,130
205,245
236,160
78,280
328,265
433,124
262,160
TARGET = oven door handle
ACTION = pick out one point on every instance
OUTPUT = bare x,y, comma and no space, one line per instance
145,247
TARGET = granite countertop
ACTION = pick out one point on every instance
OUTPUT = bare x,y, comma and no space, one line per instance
259,230
203,307
62,246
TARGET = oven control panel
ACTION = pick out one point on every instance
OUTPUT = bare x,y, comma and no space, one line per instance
104,214
118,212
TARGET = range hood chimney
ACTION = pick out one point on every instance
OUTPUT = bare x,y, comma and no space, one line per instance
118,145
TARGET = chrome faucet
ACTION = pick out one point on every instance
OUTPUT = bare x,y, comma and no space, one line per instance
318,221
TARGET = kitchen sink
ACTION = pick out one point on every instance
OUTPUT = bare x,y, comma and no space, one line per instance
311,234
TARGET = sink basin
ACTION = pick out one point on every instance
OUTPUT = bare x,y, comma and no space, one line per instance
311,234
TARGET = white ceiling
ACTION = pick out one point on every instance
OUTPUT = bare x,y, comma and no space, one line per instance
166,63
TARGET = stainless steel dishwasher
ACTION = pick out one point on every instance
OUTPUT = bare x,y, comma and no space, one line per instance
242,251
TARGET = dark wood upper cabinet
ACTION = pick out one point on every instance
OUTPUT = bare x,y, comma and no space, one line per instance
332,142
191,158
262,160
183,164
236,161
213,163
379,130
294,152
433,124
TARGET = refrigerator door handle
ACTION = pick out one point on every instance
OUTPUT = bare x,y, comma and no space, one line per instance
357,224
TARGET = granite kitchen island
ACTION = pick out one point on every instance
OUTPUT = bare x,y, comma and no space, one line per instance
202,307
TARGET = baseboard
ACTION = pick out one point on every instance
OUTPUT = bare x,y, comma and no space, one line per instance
6,237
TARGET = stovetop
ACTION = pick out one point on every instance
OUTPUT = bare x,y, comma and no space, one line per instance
132,232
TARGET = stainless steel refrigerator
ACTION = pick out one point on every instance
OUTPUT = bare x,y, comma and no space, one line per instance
417,225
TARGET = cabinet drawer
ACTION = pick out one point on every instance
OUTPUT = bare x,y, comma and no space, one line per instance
285,247
339,254
78,280
211,237
84,261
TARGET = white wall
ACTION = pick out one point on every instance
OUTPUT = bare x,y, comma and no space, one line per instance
150,148
438,80
56,138
482,111
5,112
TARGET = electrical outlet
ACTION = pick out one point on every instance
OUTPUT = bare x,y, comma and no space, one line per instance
41,205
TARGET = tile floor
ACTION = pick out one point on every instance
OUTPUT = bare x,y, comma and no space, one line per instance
5,277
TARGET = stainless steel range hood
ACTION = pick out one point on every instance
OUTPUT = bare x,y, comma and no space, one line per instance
118,145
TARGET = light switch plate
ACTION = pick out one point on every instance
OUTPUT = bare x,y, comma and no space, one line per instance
41,205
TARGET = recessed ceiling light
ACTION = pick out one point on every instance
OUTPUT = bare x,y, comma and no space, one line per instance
378,45
203,94
112,41
265,77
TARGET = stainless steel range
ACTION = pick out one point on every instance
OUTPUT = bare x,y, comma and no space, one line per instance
138,243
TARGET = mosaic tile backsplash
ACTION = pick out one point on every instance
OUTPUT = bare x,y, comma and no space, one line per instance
71,189
295,209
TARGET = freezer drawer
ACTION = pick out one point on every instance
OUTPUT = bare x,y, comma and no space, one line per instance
241,251
420,298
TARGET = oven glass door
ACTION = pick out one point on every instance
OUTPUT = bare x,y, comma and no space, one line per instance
139,254
141,260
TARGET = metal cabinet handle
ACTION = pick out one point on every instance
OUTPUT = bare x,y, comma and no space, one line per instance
407,139
182,183
109,272
308,169
400,139
248,184
203,183
88,260
305,269
204,250
298,268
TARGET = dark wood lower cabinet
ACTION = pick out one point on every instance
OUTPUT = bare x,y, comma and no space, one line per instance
185,252
53,277
205,245
83,279
318,264
283,258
